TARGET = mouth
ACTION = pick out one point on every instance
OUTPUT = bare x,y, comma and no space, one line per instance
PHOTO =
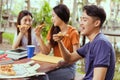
82,28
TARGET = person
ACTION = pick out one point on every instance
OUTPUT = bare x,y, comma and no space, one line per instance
25,35
60,18
98,52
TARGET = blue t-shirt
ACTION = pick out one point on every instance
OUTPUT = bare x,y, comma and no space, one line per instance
98,53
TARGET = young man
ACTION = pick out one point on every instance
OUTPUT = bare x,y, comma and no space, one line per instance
98,52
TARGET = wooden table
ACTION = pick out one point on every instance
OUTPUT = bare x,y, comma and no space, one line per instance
44,66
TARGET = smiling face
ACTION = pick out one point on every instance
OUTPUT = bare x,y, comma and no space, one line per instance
55,19
26,20
88,24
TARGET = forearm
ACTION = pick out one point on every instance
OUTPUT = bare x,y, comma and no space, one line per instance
17,41
43,47
64,52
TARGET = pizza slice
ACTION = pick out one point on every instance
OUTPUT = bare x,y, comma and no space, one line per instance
7,70
41,26
62,34
22,26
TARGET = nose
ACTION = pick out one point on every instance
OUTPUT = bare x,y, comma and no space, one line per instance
27,22
81,22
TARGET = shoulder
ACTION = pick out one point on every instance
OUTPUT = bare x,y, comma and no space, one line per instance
102,41
101,38
72,30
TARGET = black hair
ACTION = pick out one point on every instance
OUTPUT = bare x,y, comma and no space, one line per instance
95,11
20,16
63,13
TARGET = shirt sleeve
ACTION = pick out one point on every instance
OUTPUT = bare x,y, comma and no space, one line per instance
83,50
102,54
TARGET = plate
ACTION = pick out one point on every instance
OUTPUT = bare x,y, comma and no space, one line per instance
24,70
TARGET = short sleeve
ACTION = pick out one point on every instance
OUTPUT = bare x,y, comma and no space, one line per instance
83,50
102,51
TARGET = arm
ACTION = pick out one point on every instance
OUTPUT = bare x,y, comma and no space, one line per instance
99,73
17,41
68,57
23,29
45,49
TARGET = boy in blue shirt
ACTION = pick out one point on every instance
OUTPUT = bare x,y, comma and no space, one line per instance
98,52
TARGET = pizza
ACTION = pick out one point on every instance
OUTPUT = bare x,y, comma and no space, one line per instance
23,25
41,26
7,70
61,34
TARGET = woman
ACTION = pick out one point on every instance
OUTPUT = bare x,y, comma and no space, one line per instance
25,35
60,18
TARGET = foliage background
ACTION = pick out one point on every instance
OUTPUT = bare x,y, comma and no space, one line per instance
43,16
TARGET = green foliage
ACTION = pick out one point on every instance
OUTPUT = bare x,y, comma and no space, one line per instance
8,36
43,16
117,67
116,0
17,7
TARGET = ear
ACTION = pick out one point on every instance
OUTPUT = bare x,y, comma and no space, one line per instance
97,23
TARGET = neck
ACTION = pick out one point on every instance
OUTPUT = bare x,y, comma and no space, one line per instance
63,27
93,35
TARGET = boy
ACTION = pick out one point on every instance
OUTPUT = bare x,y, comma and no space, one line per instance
98,52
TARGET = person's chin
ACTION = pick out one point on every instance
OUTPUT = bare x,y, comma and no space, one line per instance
55,25
82,33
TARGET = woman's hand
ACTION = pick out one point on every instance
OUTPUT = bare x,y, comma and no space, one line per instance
38,29
58,37
24,28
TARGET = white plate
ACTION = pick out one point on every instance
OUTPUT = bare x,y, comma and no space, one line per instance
23,70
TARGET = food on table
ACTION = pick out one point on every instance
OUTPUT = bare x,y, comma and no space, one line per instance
7,70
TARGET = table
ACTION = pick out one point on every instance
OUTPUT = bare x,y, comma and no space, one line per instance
44,66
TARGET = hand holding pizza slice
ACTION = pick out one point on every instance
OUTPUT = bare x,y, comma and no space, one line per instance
62,34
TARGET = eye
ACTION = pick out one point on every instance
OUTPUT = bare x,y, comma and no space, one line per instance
25,20
84,20
30,20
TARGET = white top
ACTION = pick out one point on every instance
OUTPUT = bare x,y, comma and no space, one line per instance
25,41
